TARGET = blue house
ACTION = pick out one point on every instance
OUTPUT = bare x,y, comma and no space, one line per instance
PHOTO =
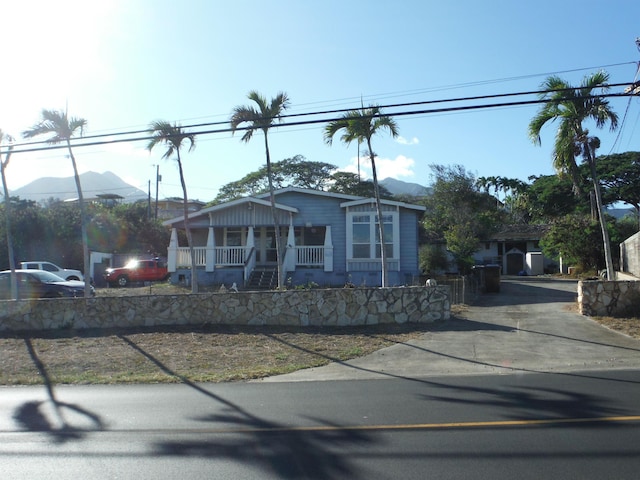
328,239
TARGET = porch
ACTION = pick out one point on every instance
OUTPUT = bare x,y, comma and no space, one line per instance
256,248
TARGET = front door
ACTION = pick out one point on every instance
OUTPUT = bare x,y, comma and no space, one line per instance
265,242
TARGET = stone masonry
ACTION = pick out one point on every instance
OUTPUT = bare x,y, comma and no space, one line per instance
607,298
315,307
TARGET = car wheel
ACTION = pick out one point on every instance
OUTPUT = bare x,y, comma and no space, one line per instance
123,281
73,277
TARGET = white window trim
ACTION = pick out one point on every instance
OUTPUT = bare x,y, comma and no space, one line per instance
395,218
243,236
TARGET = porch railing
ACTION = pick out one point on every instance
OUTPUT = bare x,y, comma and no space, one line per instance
310,256
183,258
231,256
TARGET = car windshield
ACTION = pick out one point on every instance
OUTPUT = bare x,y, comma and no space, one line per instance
132,264
46,277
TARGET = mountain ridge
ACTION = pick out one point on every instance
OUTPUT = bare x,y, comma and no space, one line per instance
93,184
399,187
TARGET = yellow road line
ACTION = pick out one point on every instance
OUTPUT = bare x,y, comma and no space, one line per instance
446,425
335,428
409,426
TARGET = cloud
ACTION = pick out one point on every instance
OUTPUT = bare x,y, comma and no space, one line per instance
404,141
400,166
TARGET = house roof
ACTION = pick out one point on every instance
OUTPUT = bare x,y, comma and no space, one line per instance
520,232
310,191
232,203
362,201
263,199
351,200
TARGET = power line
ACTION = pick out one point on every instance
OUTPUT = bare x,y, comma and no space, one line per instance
82,141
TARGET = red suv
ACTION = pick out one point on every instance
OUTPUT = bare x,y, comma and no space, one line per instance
137,271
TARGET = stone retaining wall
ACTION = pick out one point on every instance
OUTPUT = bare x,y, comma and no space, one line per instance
630,255
602,298
321,307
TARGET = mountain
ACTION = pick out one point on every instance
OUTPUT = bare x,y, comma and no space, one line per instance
398,187
93,184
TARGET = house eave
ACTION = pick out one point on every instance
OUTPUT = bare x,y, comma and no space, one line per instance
227,205
363,201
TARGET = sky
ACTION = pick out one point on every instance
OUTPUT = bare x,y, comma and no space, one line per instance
121,64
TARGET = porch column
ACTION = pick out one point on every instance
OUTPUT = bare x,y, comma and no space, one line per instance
249,263
172,251
290,255
210,261
251,238
504,258
328,250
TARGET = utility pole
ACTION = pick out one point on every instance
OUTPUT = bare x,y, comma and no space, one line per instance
634,88
158,179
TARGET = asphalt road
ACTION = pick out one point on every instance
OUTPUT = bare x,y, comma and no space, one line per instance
582,425
521,387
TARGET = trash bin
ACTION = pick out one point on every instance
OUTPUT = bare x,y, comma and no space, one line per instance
492,278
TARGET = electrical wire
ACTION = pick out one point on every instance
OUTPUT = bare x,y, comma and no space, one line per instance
82,141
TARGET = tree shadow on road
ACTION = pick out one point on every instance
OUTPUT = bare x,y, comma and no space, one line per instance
289,452
525,400
34,416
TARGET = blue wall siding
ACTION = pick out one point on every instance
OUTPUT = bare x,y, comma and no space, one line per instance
321,210
409,236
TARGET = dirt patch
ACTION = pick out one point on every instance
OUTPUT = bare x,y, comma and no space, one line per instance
627,326
212,354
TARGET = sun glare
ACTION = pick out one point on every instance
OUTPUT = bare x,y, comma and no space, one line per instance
53,46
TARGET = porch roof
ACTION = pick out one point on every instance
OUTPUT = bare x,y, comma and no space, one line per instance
230,204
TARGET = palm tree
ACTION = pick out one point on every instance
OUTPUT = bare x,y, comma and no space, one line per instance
172,136
263,118
572,106
360,125
61,128
7,212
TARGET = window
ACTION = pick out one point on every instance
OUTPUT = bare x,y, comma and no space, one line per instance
364,236
309,236
233,237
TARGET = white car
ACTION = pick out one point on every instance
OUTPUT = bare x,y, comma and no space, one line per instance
65,273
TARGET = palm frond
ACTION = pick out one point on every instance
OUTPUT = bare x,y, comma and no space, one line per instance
260,117
57,123
171,135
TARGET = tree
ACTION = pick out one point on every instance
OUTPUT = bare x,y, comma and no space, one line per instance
263,118
460,213
575,238
62,128
433,258
141,233
552,196
172,136
7,206
351,184
360,126
290,172
573,106
619,174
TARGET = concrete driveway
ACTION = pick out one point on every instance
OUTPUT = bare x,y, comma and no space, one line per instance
532,325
